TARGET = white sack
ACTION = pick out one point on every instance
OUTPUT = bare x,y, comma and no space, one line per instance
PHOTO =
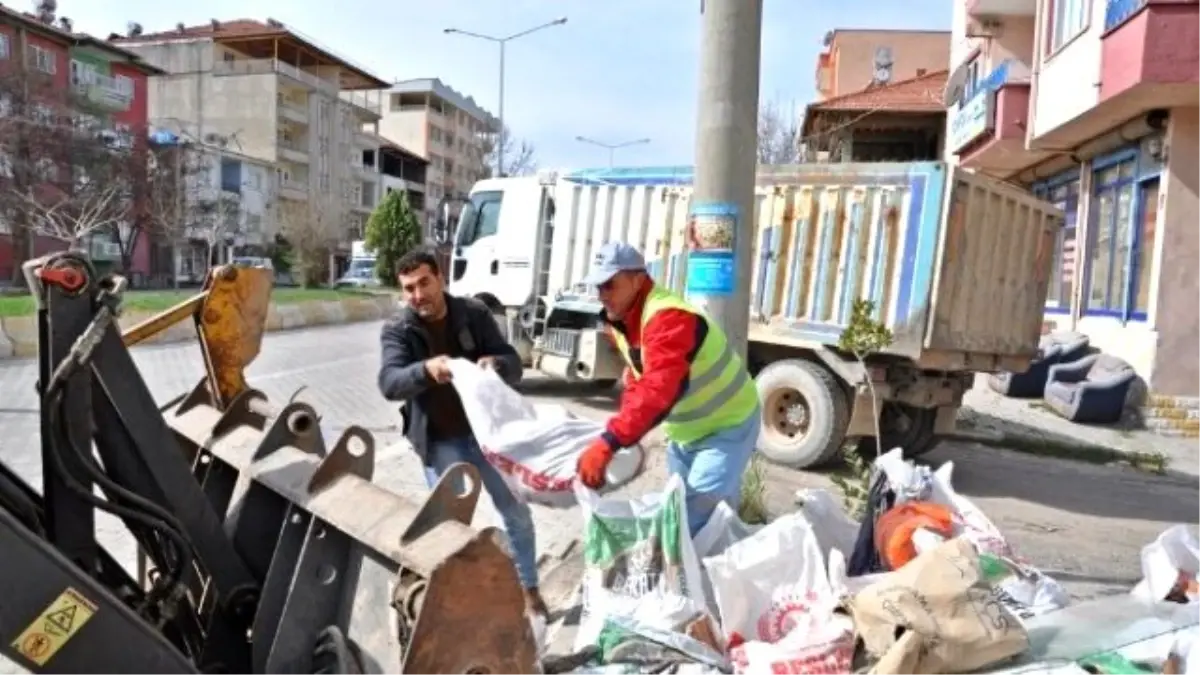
535,447
772,591
638,553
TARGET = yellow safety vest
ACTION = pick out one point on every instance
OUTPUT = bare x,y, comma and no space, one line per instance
719,395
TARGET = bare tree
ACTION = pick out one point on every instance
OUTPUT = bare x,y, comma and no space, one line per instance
778,135
519,159
64,174
312,229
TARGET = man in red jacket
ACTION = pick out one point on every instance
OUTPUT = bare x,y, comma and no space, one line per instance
682,373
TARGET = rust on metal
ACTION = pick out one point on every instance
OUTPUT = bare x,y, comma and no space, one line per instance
453,499
472,592
163,320
231,324
354,453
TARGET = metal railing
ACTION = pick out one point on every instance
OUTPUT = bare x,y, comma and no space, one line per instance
264,66
362,100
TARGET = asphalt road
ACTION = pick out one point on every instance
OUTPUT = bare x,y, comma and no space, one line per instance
1083,523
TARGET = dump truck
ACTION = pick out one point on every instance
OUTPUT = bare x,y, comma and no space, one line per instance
957,265
264,546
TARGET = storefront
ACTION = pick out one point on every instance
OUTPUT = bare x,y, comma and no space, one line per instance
1104,270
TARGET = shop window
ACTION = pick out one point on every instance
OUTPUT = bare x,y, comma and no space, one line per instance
1121,242
1063,193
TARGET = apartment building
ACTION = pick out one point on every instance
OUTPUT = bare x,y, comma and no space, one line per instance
402,170
278,97
853,59
243,191
102,86
444,126
1093,104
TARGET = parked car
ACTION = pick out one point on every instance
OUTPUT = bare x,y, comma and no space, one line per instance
360,277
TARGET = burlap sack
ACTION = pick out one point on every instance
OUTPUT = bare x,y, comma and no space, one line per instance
936,615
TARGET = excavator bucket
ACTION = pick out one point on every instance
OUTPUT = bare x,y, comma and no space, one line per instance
261,549
402,581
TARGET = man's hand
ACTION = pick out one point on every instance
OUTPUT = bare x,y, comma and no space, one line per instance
439,369
487,363
593,463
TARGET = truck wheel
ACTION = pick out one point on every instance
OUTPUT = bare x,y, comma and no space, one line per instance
903,426
804,411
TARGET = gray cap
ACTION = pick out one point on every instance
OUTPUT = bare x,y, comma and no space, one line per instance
611,258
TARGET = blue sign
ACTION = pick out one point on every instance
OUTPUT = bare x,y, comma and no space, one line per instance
710,272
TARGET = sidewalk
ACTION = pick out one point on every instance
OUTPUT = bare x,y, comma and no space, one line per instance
1018,422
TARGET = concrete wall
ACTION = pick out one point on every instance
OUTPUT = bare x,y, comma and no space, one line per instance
1069,79
854,55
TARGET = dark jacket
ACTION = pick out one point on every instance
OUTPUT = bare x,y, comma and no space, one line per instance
405,347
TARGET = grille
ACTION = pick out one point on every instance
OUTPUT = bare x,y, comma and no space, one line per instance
561,342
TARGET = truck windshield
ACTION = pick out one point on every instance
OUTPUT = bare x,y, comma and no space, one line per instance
479,218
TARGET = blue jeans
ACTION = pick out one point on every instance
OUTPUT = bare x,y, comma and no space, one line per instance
518,519
712,468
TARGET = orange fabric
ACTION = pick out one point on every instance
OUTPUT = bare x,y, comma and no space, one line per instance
894,530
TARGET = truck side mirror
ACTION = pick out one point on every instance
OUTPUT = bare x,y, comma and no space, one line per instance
441,228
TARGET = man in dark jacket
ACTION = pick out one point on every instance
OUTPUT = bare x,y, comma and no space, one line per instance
417,346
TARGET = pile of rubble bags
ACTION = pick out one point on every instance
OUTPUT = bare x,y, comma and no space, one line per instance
924,584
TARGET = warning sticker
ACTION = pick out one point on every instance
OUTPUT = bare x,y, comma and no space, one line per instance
57,624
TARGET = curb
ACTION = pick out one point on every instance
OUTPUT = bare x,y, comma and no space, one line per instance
18,334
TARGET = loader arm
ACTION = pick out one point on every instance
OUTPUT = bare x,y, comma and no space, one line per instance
264,551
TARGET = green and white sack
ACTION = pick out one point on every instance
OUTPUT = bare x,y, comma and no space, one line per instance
634,549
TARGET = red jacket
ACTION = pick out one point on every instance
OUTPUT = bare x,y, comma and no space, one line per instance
663,351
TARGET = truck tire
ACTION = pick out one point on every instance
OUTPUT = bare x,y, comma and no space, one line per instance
804,411
903,426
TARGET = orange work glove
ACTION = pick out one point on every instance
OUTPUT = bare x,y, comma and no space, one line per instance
593,463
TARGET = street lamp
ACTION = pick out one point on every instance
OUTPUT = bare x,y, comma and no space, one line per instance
611,147
503,41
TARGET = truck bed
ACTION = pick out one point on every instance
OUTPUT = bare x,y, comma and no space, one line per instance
957,264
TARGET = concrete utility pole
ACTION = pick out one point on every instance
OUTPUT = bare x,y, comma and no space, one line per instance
721,233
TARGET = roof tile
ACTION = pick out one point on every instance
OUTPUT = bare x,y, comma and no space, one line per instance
922,93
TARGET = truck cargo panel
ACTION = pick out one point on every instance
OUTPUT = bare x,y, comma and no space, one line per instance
961,292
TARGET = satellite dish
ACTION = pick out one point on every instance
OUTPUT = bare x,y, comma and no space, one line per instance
956,85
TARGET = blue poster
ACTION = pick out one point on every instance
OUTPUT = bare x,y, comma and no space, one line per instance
710,272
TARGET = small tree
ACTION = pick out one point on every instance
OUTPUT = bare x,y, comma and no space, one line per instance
178,202
311,229
862,336
392,230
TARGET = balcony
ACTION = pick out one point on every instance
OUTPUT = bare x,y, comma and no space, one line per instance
988,131
291,111
292,150
364,103
992,8
294,190
366,140
1149,53
265,66
103,91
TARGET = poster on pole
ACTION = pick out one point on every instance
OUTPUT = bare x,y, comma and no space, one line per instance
711,232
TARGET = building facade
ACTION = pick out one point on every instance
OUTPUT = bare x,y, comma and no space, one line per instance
1093,104
445,127
855,59
273,96
103,89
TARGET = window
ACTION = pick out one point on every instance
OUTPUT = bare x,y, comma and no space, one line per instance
480,217
125,85
1067,18
1064,195
1112,243
43,59
971,83
231,175
4,49
1143,243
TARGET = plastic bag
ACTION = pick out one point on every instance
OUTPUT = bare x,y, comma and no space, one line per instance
723,529
772,590
1172,557
535,447
1027,593
635,552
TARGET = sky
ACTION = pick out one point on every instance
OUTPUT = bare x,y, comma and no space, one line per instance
618,70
